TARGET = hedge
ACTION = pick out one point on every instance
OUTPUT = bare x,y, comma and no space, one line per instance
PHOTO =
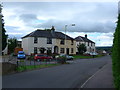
116,55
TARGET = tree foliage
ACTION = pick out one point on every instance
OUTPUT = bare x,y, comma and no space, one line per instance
4,36
116,55
12,44
81,48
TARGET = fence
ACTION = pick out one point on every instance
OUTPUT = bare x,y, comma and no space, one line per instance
25,64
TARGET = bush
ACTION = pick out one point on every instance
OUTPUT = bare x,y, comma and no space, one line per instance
61,59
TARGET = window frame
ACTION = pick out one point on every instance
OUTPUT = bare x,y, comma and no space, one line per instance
35,39
49,40
72,50
62,41
35,50
62,50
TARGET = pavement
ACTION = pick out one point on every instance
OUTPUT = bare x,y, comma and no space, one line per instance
82,73
103,78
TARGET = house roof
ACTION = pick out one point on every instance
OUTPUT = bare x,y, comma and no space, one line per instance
48,33
84,39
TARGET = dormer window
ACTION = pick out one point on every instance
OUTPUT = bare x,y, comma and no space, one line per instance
35,40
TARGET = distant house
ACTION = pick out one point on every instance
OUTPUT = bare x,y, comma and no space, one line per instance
90,45
50,40
19,44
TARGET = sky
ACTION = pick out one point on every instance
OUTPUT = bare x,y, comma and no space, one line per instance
96,19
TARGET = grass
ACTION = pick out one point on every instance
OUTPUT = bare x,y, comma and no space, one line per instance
31,67
85,57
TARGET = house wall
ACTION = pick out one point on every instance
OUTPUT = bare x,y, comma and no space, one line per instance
67,45
89,47
28,45
25,45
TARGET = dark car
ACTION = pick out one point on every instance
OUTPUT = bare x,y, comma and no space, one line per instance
42,57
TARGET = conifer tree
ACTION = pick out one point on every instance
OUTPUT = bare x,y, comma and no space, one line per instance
4,36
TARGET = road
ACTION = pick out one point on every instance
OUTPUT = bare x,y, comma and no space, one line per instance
64,76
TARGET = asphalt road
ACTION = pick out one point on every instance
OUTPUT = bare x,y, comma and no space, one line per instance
64,76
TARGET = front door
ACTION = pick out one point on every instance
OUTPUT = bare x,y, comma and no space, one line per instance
67,51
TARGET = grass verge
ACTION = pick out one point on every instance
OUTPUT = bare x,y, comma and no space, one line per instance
31,67
85,57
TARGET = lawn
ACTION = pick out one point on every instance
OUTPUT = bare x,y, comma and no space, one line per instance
85,57
31,67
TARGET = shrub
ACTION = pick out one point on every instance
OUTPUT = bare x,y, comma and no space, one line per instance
61,59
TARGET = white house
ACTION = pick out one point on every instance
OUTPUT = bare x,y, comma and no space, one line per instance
49,39
90,45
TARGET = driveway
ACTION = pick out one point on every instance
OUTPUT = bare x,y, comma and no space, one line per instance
64,76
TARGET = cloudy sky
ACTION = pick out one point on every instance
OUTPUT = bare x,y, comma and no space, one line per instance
96,19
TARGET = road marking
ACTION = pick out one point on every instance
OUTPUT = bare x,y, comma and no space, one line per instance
82,86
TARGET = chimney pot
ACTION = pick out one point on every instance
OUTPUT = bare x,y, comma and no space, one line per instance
85,35
53,28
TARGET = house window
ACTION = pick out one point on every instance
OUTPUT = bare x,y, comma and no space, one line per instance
35,50
62,50
49,40
88,43
72,50
35,39
62,41
49,50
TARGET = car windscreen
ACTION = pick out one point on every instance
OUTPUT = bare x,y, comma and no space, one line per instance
21,53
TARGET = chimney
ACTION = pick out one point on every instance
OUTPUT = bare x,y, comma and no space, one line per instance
53,31
85,35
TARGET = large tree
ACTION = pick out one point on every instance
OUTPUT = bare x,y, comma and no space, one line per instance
81,48
12,44
116,55
4,36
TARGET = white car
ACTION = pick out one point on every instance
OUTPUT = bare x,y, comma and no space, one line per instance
67,56
94,53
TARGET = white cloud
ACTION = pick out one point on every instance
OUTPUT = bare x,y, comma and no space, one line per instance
89,17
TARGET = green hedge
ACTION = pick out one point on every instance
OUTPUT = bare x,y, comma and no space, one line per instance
116,55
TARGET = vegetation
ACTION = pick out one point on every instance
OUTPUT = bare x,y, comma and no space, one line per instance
31,67
4,36
12,44
61,59
85,57
81,48
116,55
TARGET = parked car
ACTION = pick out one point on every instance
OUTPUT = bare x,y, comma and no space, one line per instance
67,56
40,57
94,53
21,55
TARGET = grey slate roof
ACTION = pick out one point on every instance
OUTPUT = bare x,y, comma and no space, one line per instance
80,38
48,34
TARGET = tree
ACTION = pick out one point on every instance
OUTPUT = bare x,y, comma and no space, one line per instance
4,36
12,44
81,48
116,55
